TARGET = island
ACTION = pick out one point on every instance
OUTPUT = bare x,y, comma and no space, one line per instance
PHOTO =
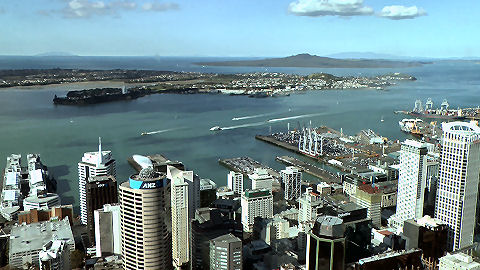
314,61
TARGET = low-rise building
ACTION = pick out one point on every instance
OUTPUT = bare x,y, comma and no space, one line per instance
458,261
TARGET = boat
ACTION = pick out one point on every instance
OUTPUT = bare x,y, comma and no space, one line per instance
381,120
215,128
144,133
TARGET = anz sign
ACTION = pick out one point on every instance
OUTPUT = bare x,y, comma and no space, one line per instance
150,185
135,184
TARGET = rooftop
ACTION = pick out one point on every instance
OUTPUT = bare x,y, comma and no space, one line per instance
28,237
257,193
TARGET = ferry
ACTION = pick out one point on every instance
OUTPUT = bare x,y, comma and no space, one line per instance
215,128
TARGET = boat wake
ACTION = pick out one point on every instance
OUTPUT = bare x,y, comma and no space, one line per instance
159,131
294,117
245,125
251,116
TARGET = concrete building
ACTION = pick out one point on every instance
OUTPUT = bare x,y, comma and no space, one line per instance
107,231
411,183
458,182
180,218
309,204
458,261
226,253
41,200
256,203
292,178
55,255
261,179
275,229
100,190
45,214
99,163
145,221
370,198
28,240
235,182
326,244
210,223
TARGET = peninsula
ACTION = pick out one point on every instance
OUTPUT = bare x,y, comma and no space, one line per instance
314,61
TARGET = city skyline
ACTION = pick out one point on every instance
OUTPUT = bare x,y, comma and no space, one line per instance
278,28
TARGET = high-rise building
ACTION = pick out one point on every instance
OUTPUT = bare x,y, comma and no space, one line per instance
99,163
458,182
145,221
326,244
309,204
100,190
107,230
292,178
55,255
411,183
370,198
226,253
210,223
261,179
180,216
256,203
235,182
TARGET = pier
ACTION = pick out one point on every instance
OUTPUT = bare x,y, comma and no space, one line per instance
310,169
246,165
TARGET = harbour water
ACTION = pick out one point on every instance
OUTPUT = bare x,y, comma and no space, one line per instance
179,124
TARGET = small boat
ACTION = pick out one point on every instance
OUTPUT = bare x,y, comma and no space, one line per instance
215,128
144,133
381,120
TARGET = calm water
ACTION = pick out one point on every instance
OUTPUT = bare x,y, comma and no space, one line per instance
61,134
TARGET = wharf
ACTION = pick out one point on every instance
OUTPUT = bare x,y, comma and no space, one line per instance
246,165
272,140
310,169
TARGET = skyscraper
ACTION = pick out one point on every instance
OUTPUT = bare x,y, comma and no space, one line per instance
326,244
100,190
292,178
226,253
99,163
235,182
411,182
256,203
145,221
458,182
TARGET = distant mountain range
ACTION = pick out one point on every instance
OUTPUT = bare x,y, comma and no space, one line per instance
314,61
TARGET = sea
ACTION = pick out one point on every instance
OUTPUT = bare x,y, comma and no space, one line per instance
31,123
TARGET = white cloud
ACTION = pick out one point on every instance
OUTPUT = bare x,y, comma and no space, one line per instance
156,6
88,8
315,8
401,12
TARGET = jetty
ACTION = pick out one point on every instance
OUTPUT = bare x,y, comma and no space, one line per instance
310,169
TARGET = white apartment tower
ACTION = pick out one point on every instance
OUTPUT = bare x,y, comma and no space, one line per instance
292,178
457,191
144,221
411,183
235,182
256,203
99,163
309,203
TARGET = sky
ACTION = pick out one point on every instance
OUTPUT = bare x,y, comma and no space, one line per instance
246,28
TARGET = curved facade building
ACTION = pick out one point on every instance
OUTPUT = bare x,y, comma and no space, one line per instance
48,200
145,221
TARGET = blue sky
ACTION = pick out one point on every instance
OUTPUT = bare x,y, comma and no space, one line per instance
424,28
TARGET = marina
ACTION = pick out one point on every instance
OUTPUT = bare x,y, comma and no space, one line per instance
246,166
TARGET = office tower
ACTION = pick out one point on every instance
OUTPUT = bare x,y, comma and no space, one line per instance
309,204
458,182
326,244
370,198
429,235
99,163
210,223
226,253
458,261
145,221
99,190
107,230
292,178
411,182
235,182
261,179
256,203
180,241
28,240
55,255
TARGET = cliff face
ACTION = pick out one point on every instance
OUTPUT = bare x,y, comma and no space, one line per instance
99,95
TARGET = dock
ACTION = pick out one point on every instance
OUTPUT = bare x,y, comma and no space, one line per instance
246,166
310,169
271,140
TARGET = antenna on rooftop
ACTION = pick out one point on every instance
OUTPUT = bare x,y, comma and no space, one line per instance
99,160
